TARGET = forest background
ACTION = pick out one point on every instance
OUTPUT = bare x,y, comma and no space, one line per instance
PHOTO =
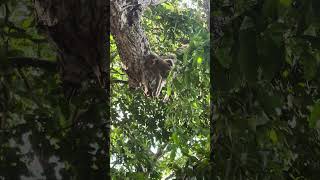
265,98
150,138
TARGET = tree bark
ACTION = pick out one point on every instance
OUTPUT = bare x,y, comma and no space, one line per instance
131,41
79,31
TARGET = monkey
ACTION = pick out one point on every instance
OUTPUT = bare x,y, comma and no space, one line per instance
158,70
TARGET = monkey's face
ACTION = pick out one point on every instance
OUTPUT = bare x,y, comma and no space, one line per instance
165,66
169,63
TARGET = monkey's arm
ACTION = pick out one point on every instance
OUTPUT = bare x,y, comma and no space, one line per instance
158,85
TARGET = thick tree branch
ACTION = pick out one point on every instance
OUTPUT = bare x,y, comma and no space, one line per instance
151,2
79,31
118,81
133,45
33,62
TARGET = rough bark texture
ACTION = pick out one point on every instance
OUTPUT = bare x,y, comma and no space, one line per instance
80,32
216,32
206,7
78,29
131,41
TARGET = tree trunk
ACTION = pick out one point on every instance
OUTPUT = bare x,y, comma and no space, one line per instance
131,41
79,31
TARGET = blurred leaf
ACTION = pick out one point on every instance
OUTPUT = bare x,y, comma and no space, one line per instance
314,115
273,136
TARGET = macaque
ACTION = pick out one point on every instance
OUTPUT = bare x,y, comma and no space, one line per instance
158,69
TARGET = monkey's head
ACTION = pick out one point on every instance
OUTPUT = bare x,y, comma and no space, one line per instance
151,59
157,64
169,62
165,65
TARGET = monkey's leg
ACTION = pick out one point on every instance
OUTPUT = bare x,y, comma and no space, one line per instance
159,86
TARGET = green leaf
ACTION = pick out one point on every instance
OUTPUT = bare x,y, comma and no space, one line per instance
271,56
270,9
310,66
173,153
286,2
314,117
199,60
247,54
316,9
27,23
269,102
18,35
262,119
247,23
3,58
4,1
138,176
224,57
311,31
169,90
252,123
273,136
2,22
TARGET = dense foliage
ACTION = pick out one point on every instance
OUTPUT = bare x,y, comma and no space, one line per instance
266,106
165,137
266,90
44,136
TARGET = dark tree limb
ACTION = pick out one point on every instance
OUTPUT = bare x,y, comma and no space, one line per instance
79,31
129,36
131,41
119,81
33,62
